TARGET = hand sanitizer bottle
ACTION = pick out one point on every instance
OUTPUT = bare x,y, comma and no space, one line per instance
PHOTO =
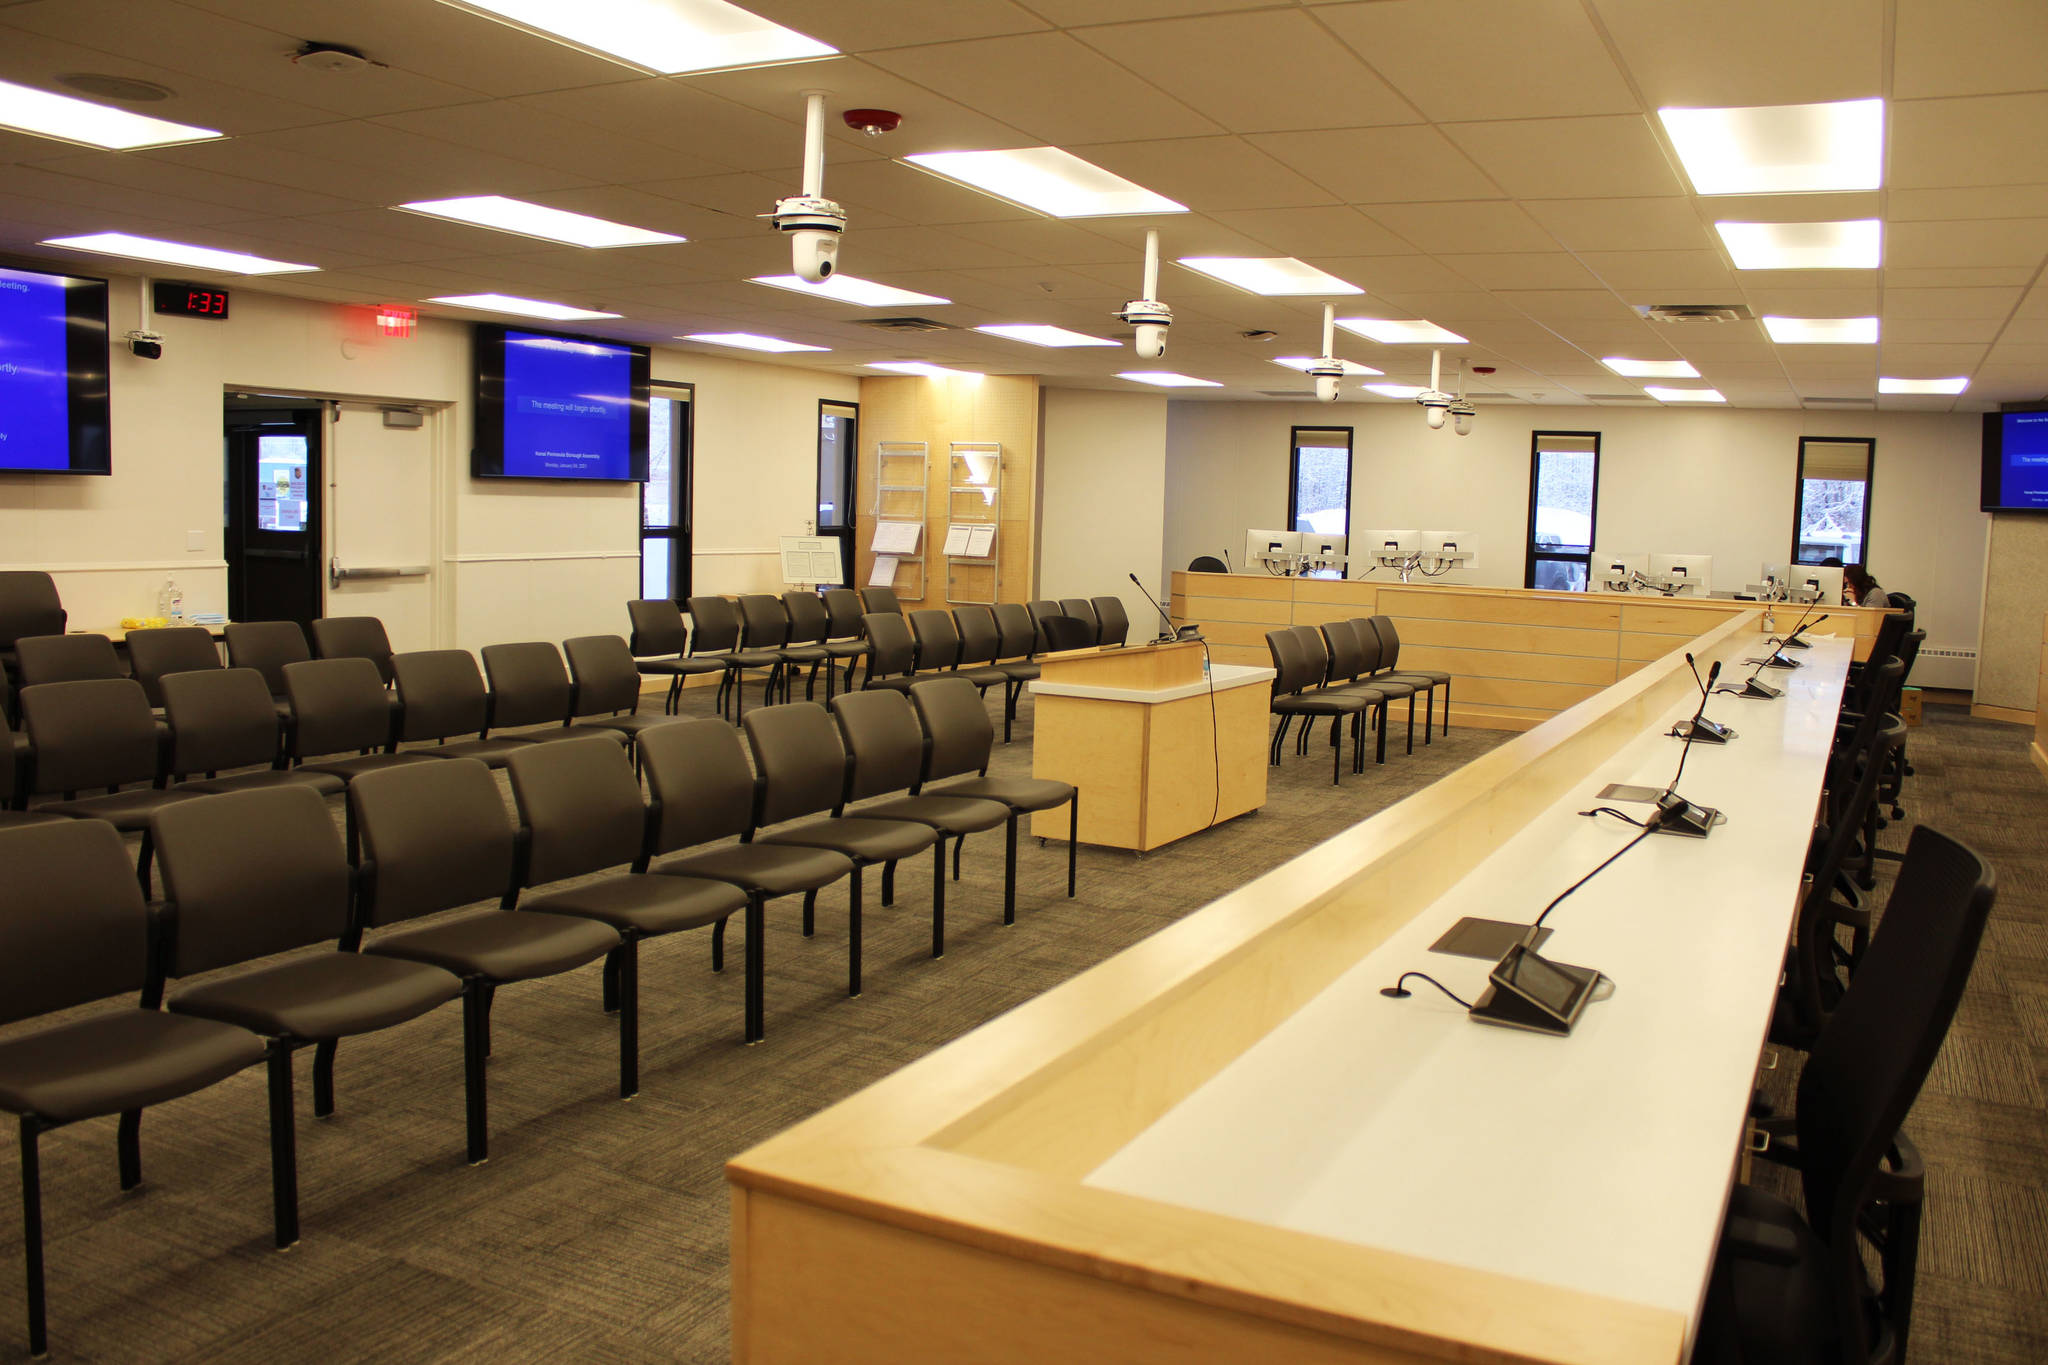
174,600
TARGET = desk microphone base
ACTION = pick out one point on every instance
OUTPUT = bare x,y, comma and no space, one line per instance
1682,817
1776,660
1505,1009
1752,688
1704,732
1489,939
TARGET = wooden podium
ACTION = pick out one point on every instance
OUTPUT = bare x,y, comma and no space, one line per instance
1157,749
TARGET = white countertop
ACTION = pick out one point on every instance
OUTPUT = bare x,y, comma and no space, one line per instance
1598,1162
1223,677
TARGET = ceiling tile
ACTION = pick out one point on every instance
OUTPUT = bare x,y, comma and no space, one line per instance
2003,241
517,132
1552,306
1957,277
1950,303
1736,52
900,23
146,174
1948,331
1341,231
1523,270
1207,173
1448,308
1569,158
1639,274
1997,201
1982,48
1857,301
1465,227
1382,165
1918,361
1661,224
1409,274
367,161
1046,240
1986,140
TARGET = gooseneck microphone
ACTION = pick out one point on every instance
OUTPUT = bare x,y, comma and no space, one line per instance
1699,727
1675,814
1190,631
1793,641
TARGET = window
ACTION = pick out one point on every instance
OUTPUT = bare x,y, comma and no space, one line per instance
1319,481
665,497
1831,519
838,442
1564,493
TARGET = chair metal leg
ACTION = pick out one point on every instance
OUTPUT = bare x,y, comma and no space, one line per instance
1428,713
323,1077
143,859
888,884
477,1115
757,930
32,1234
624,962
284,1157
810,913
1073,839
1447,708
1380,749
853,931
1009,868
1411,722
490,994
718,945
1336,751
939,897
611,983
128,1148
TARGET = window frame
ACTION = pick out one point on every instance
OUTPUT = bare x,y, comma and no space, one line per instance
682,495
1532,554
849,481
1869,444
1294,471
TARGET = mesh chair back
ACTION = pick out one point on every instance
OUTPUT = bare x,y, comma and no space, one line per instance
66,658
1112,621
766,623
1372,655
800,758
1909,652
220,718
1314,652
881,733
252,873
267,646
702,787
658,629
339,706
443,694
73,925
29,606
435,836
892,650
355,637
93,733
809,622
938,640
881,599
1347,659
1017,633
606,682
1066,632
956,725
717,626
529,685
1082,610
980,641
842,605
581,807
153,654
1811,976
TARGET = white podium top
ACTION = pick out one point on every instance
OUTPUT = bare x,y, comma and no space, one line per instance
1224,677
1598,1162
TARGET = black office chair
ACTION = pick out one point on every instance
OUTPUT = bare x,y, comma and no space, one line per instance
1083,610
892,652
446,705
881,599
661,647
355,637
843,637
1207,564
717,638
531,694
1297,691
1066,632
65,658
1112,622
28,606
154,654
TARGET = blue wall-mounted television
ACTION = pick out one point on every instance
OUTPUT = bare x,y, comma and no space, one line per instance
553,406
53,374
2016,461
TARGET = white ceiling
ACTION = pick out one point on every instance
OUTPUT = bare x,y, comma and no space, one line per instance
1493,165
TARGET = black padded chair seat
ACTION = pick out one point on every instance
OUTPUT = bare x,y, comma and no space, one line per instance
490,752
630,725
981,675
804,654
952,814
502,945
554,734
10,819
766,869
683,666
845,649
1414,677
351,768
1018,672
1018,793
902,684
874,841
1777,1284
748,658
1371,691
1324,703
1393,685
129,1059
648,905
128,810
332,995
327,784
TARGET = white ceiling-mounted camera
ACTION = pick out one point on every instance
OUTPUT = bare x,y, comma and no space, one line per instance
1328,372
1436,404
813,222
1148,314
1462,414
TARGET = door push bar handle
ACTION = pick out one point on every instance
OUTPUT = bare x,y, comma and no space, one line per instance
337,575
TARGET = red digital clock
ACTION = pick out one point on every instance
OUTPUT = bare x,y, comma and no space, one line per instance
190,301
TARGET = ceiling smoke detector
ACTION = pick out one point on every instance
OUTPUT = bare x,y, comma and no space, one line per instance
116,87
873,122
331,57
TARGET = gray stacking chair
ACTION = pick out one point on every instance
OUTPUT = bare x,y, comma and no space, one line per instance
661,646
1113,623
1083,610
28,606
14,756
355,637
66,658
717,637
892,652
1426,680
155,654
1017,642
810,629
530,688
881,599
939,646
843,638
1297,691
607,686
223,719
442,695
267,646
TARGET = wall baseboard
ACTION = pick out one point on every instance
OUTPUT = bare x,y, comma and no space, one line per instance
2010,715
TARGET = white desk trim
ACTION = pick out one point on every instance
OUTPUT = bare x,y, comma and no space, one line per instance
1222,678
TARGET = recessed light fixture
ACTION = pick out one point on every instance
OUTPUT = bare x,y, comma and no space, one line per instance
748,341
1822,331
929,371
1047,179
1782,148
1272,276
525,308
1395,390
1398,333
536,220
1166,379
1650,369
1956,385
665,36
28,110
1302,363
176,253
1038,334
1664,395
1854,245
849,289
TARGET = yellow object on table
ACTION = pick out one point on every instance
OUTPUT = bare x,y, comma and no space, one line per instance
144,622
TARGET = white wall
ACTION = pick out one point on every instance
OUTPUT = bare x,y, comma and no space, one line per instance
1104,508
1675,481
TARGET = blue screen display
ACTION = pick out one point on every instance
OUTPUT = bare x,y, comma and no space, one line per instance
35,402
568,408
2023,460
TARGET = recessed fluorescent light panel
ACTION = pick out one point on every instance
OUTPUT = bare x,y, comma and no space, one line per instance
534,220
665,36
28,110
1664,395
920,367
1780,149
1394,390
1396,333
176,253
1822,331
1856,245
1037,334
1650,369
849,289
747,341
1272,276
1047,179
525,308
1166,379
1302,363
1956,385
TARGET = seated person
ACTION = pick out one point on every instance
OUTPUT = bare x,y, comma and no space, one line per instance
1860,589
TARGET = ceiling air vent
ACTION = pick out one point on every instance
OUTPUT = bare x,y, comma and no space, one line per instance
1695,312
1864,403
1616,397
909,324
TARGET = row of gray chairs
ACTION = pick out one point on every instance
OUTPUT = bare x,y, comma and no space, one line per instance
1103,621
1348,669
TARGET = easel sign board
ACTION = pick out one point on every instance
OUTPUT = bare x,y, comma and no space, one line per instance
896,537
810,559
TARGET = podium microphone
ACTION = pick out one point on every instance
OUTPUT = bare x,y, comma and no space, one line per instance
1699,727
1793,641
1190,631
1675,814
1777,657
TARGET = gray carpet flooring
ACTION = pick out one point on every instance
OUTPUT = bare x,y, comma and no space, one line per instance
598,1229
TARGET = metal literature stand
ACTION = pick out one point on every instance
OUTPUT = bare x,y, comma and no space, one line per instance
901,471
974,511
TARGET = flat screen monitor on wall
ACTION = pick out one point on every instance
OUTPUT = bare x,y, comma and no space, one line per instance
2016,461
550,406
53,374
